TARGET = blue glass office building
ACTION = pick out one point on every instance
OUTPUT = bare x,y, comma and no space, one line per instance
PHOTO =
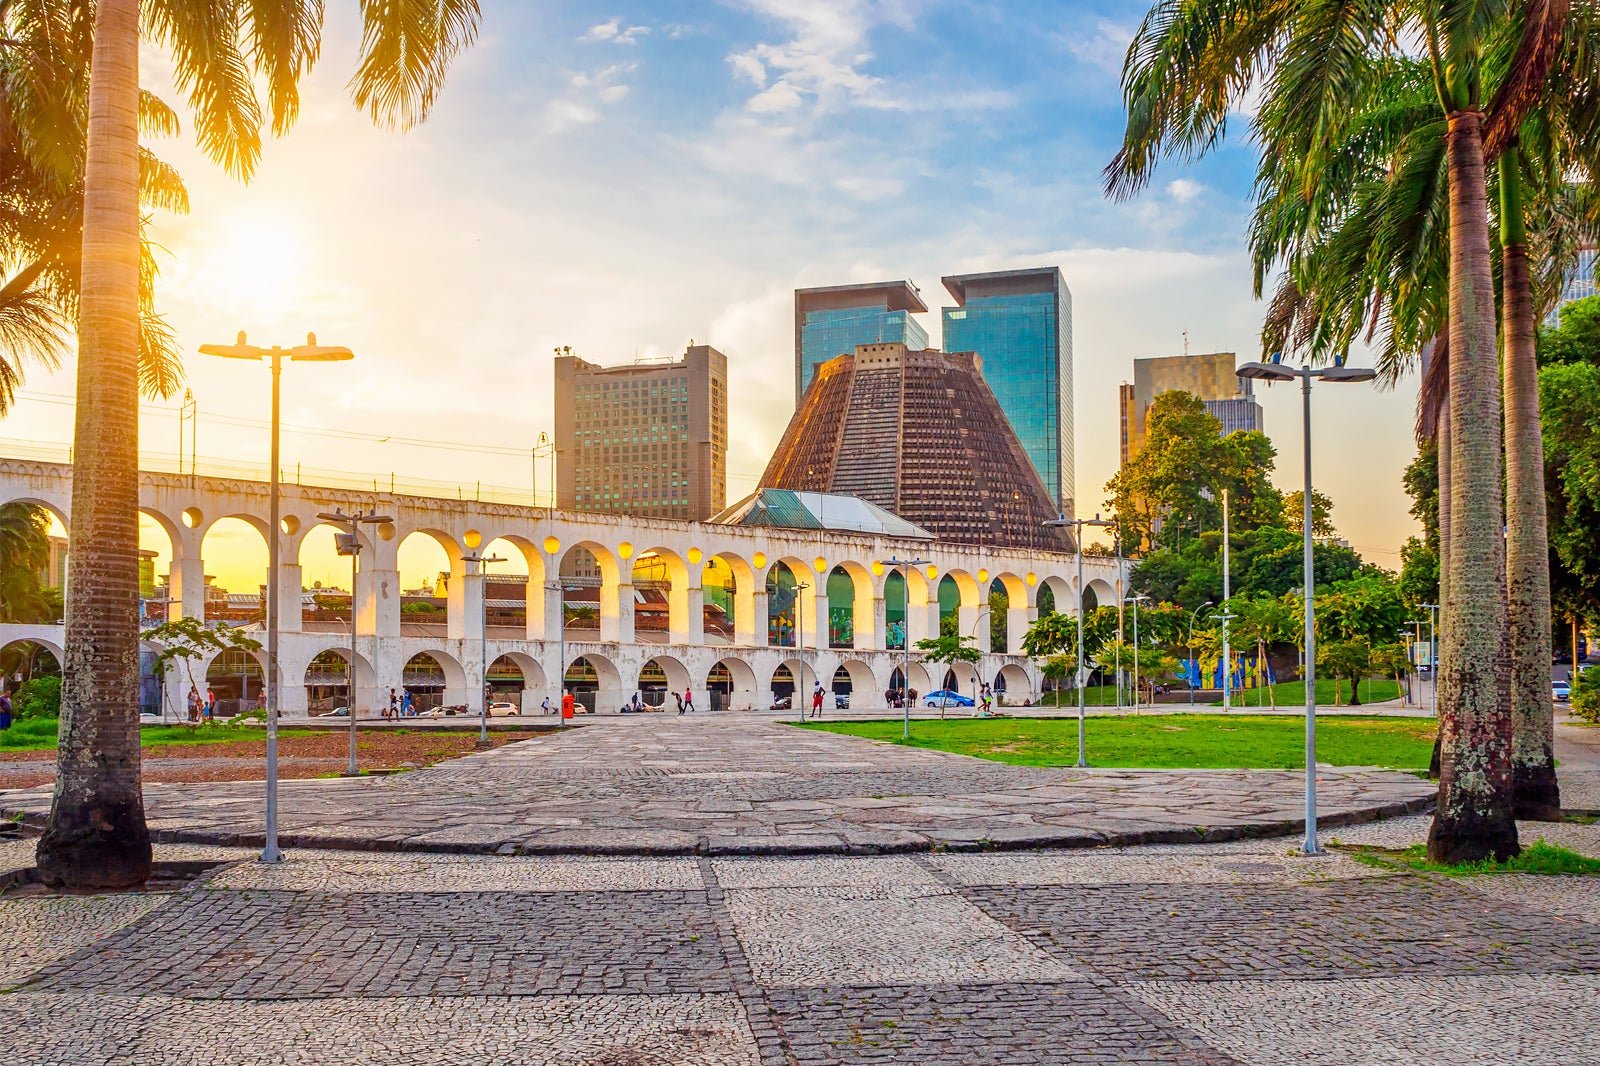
1020,324
831,321
1580,283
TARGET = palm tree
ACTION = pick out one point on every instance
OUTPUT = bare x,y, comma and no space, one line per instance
1187,68
96,836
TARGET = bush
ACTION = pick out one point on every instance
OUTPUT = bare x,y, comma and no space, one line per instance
1586,695
39,698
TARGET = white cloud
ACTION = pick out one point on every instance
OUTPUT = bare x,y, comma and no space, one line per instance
590,90
1184,190
1105,45
564,114
613,93
870,187
613,31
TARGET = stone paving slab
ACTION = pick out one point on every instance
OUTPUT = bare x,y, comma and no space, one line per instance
1526,1020
336,871
35,932
601,1030
747,785
1138,866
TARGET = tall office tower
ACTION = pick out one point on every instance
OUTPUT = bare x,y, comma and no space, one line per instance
832,320
1020,323
1209,377
1580,283
647,439
920,435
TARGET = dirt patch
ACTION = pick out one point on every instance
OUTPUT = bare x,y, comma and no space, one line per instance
317,755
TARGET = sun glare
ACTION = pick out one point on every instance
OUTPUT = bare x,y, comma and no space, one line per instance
256,265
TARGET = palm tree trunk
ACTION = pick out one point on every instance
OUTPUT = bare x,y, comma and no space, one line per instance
1536,792
1473,818
96,837
1441,446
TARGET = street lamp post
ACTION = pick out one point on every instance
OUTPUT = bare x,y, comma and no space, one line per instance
1340,373
905,566
801,696
483,562
561,647
1135,601
349,543
1433,657
1077,525
1227,594
1192,616
309,352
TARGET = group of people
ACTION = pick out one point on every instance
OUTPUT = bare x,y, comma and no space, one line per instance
202,708
636,704
897,698
400,705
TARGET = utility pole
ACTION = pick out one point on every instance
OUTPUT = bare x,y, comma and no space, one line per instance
348,542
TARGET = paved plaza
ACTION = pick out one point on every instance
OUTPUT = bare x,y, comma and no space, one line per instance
1202,955
745,784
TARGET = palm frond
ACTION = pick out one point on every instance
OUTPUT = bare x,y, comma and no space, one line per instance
407,46
160,363
204,41
285,39
30,327
1543,25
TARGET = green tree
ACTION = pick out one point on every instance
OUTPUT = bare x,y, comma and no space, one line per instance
1366,609
1576,339
24,556
1345,659
1294,513
38,698
96,836
186,640
1264,620
1419,573
947,651
1570,409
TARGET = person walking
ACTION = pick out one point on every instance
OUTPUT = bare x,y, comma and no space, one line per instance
816,700
986,697
211,704
407,708
636,704
545,706
688,700
194,705
394,706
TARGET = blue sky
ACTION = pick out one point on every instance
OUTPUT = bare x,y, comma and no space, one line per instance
623,177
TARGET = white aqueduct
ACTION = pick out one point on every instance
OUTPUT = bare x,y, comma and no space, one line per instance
744,662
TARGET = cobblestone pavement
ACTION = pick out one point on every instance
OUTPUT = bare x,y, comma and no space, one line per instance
1258,957
670,785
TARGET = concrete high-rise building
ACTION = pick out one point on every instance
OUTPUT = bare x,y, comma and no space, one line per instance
830,321
1580,283
1209,377
647,438
1019,322
919,434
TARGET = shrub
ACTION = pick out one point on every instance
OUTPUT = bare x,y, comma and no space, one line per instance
39,698
1586,695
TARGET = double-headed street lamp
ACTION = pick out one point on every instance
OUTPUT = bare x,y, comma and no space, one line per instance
905,566
1280,372
1194,614
801,696
1135,601
482,562
309,352
1077,524
1433,656
348,542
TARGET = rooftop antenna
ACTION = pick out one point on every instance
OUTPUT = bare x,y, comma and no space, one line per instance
1186,342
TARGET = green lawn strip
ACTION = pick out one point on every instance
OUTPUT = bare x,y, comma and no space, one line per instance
1293,694
1537,858
1186,741
39,734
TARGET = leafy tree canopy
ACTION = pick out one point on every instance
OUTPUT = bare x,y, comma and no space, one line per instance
1577,339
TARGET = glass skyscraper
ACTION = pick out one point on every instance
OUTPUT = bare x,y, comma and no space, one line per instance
1580,282
1019,322
831,321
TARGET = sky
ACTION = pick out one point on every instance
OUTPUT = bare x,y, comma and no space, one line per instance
604,176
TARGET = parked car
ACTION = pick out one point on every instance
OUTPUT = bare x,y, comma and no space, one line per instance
1561,691
946,698
337,712
502,709
841,701
450,711
150,718
780,703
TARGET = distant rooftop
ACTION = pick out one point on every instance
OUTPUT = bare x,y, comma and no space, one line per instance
793,509
1029,279
899,295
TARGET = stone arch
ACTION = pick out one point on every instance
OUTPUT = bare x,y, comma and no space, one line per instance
1061,598
731,684
152,521
959,677
1099,593
594,681
858,680
658,566
21,660
326,679
435,678
736,601
865,608
789,676
791,611
534,619
238,677
921,680
233,605
660,677
1008,622
577,590
910,607
1012,686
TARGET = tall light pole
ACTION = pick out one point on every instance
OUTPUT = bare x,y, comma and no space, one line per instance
1227,615
1279,372
1433,656
1192,616
309,352
561,647
1077,525
348,543
801,696
482,561
1135,601
905,566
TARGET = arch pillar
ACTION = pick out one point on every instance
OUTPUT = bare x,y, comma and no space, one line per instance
759,628
620,602
186,579
378,602
1018,619
290,607
817,612
880,627
537,601
971,624
867,614
695,608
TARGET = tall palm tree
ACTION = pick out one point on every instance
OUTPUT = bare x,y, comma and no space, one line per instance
96,836
1187,69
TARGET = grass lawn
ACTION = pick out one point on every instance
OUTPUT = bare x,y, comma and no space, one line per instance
39,734
1293,693
1187,741
1540,857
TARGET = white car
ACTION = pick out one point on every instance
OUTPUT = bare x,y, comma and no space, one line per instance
502,709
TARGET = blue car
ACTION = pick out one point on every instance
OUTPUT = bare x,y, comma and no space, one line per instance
946,698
